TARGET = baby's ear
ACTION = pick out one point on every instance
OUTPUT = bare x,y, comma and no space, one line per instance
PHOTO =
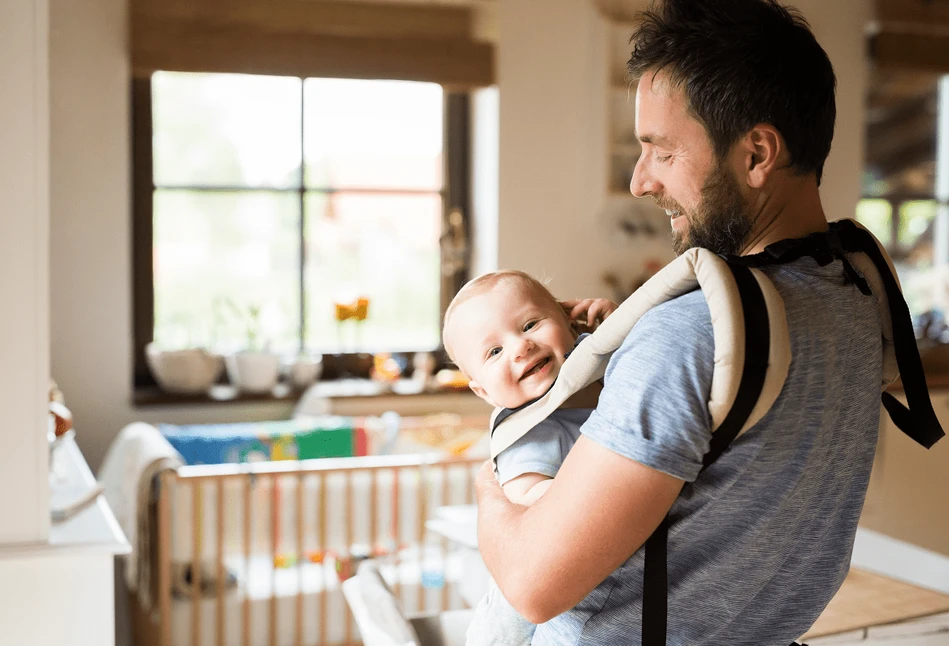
479,391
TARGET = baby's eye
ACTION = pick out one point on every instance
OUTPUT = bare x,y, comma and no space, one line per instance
529,325
493,352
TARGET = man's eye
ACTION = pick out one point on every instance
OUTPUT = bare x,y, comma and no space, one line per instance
663,159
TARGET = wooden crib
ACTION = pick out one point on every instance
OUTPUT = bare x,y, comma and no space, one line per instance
252,554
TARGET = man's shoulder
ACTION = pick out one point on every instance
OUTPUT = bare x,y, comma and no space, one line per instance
672,335
689,311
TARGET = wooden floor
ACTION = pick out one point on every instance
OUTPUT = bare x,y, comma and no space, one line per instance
870,609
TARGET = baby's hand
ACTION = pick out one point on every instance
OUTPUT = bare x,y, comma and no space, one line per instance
589,311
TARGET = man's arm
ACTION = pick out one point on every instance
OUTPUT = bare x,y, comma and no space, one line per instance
599,510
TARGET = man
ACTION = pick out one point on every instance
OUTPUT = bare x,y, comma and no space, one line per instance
735,111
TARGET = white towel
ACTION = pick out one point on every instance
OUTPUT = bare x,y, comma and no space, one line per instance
137,454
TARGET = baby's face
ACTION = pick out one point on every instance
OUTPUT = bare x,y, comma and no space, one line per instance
511,343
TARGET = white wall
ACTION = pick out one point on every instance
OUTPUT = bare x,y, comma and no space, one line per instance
839,26
551,70
24,255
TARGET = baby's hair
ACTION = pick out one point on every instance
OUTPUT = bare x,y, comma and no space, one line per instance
487,282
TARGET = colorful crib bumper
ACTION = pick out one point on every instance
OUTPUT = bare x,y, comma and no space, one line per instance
303,439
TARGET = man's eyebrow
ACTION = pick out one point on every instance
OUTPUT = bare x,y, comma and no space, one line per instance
656,140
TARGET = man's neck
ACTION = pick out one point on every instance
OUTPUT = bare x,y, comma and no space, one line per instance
790,208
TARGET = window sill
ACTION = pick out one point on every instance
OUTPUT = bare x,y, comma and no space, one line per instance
343,397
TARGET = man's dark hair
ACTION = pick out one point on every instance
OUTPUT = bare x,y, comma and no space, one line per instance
741,63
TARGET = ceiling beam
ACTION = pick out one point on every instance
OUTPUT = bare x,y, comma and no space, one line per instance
927,13
910,50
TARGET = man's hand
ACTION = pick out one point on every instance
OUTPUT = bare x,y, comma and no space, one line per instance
599,510
588,312
486,485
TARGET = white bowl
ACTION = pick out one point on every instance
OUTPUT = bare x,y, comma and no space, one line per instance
304,371
253,372
184,372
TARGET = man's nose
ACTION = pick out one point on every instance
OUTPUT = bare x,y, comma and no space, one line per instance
643,183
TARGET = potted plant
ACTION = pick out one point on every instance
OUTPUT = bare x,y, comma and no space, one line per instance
255,369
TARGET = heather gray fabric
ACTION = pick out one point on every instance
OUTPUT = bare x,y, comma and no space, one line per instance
761,540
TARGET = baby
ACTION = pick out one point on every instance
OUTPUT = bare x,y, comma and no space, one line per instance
510,336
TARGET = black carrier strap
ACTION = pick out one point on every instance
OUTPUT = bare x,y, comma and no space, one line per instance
918,420
757,349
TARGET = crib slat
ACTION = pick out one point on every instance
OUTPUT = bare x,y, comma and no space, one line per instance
301,559
350,507
468,484
220,564
245,613
444,502
373,509
164,557
274,547
321,520
197,541
423,475
396,530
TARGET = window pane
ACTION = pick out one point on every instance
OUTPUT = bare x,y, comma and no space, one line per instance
365,134
916,218
216,255
876,215
226,130
914,263
380,247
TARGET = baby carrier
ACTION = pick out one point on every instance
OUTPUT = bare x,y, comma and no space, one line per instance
752,356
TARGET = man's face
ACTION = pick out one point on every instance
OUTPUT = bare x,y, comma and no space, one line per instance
679,169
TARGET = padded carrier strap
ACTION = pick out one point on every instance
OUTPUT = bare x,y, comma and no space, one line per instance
695,268
757,344
845,240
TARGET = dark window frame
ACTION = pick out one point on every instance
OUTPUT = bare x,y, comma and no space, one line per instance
456,193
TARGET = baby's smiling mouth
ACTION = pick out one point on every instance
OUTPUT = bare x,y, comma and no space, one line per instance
535,368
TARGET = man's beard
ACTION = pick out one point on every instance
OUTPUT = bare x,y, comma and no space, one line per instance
722,220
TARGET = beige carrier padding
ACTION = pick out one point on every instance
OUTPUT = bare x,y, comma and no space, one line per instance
695,268
862,263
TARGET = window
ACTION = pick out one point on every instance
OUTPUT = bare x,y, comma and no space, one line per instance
268,208
906,228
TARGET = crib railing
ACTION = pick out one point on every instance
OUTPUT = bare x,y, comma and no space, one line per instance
304,517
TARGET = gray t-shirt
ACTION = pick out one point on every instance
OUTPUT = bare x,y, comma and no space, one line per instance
760,541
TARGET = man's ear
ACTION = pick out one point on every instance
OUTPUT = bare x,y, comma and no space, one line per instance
763,152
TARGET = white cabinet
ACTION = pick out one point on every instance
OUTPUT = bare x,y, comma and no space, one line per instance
60,593
908,497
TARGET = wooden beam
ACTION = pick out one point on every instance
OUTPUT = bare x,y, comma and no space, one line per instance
912,153
185,47
927,13
887,136
911,50
329,17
